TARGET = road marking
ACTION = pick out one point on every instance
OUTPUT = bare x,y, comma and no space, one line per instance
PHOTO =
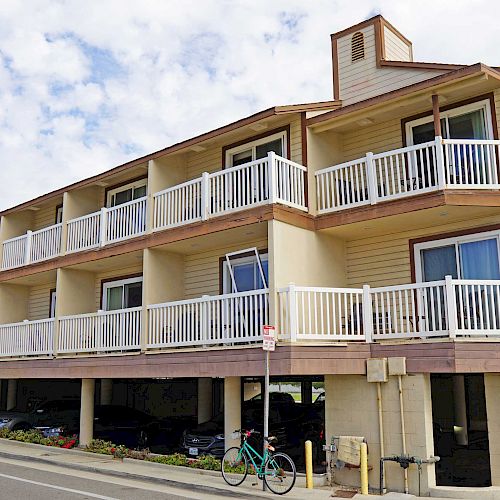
69,490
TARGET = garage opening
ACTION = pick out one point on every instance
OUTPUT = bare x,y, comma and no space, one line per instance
296,414
460,430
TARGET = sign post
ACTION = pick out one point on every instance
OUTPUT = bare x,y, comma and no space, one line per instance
268,345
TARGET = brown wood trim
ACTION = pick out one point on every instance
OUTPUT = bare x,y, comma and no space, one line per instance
357,27
123,183
117,278
490,96
386,24
303,137
443,236
223,259
335,69
435,113
57,209
422,65
379,41
458,74
264,134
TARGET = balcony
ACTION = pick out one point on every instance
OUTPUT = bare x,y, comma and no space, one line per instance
266,181
230,319
109,225
400,173
27,338
34,246
270,180
101,332
448,309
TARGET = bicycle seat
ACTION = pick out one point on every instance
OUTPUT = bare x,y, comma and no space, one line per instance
272,439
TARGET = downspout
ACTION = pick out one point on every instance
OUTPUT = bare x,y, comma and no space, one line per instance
403,433
380,425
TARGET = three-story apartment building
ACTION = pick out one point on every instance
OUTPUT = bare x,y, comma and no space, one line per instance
366,229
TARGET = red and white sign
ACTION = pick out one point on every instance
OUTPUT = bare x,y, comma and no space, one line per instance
269,340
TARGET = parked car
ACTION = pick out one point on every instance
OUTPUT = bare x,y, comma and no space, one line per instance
208,438
16,420
120,424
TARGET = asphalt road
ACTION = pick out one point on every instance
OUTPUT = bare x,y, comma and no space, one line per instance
39,482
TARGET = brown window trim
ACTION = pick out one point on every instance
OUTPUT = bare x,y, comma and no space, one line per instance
490,96
243,255
286,129
120,184
52,290
57,210
443,236
118,278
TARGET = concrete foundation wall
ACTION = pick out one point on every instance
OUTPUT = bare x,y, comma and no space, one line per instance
351,409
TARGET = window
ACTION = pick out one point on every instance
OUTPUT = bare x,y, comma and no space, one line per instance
126,193
472,121
474,256
59,214
257,149
357,47
246,273
122,294
52,304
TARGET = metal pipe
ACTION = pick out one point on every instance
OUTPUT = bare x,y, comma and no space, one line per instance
380,430
403,432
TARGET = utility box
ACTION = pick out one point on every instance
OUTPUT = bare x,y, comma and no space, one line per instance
397,366
376,370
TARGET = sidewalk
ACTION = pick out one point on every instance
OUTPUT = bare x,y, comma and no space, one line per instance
179,477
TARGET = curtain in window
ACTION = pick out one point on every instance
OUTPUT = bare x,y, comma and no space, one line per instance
479,260
439,262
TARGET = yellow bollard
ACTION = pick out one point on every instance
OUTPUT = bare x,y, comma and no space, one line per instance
309,464
364,468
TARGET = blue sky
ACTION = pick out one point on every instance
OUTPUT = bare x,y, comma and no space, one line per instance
85,86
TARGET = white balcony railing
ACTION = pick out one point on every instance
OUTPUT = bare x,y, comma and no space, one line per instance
447,308
101,332
28,338
109,225
212,320
34,246
269,180
436,165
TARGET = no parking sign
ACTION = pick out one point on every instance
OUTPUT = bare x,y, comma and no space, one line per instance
269,341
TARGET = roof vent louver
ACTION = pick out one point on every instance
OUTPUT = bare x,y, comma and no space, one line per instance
357,46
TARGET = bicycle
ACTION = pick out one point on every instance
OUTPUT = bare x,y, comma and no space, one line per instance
277,470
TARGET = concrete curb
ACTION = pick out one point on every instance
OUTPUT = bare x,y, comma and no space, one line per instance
128,475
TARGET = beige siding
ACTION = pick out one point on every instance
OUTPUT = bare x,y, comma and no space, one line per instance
211,160
202,269
362,79
118,273
385,260
395,48
375,138
39,301
46,216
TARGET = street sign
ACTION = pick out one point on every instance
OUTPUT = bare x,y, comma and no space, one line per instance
269,340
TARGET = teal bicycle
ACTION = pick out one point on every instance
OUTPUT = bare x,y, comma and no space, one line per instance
277,470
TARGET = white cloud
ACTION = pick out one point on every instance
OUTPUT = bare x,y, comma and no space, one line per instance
85,86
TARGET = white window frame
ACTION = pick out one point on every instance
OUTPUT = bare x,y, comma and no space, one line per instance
252,145
113,284
418,247
59,214
132,185
485,105
227,286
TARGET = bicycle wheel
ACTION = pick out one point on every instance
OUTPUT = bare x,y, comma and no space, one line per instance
234,466
280,473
